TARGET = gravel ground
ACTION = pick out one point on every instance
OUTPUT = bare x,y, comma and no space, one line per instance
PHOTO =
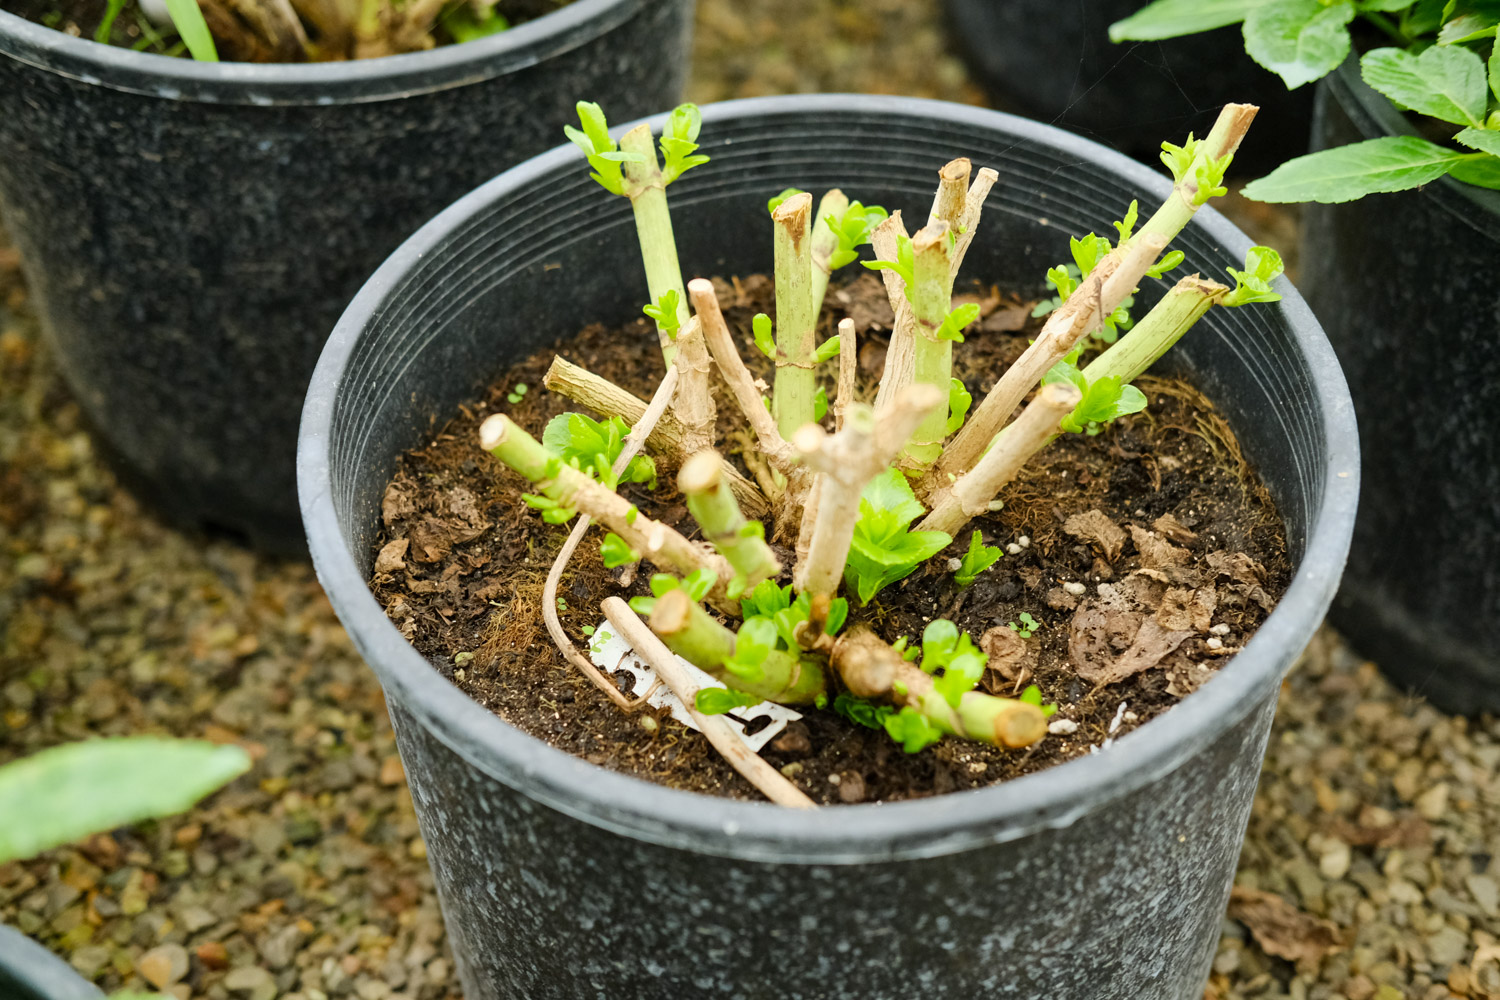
1368,873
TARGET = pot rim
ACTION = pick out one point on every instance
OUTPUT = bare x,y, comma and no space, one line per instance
354,81
1375,116
45,976
847,834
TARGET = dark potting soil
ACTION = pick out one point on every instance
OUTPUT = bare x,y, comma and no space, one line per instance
245,31
1174,544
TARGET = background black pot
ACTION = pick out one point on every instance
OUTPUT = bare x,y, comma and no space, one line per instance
1106,877
1054,61
1405,286
30,972
193,231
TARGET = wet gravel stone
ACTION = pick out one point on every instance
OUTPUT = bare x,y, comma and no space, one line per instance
306,879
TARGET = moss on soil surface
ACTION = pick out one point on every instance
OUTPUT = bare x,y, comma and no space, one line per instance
1375,813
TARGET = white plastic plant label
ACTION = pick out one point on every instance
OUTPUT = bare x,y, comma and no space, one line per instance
611,653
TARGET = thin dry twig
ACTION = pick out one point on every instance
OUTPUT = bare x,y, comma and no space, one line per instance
634,441
719,731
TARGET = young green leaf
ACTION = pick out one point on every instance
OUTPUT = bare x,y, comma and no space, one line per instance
1480,170
1169,261
853,230
592,446
1390,163
883,550
678,142
1171,18
953,324
979,558
664,312
911,729
465,25
828,350
187,18
1179,159
865,713
1026,626
602,152
838,613
616,553
953,652
717,700
756,639
1484,140
1444,82
67,792
1299,40
764,336
1033,696
552,511
1253,284
1104,399
959,401
903,265
820,404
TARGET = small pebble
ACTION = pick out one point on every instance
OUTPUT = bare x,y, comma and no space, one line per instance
1335,860
649,723
1220,629
1062,727
1074,588
954,565
1214,642
1432,804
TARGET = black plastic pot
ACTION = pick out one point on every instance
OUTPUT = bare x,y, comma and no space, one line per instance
1405,286
1106,877
30,972
192,231
1054,61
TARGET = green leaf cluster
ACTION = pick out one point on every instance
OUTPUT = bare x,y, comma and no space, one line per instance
602,151
1025,628
953,324
979,558
853,230
616,553
768,600
946,649
913,730
884,550
664,313
1033,696
696,584
1104,399
1253,284
592,446
679,142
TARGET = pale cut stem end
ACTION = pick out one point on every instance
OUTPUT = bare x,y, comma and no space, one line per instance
1223,139
848,370
653,226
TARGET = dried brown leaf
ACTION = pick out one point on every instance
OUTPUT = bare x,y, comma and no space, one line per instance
392,556
1281,929
1097,529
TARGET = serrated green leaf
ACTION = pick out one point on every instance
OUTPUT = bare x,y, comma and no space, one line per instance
717,700
976,560
1484,140
1390,163
1467,28
1171,18
1444,82
67,792
1481,171
890,493
912,730
1299,40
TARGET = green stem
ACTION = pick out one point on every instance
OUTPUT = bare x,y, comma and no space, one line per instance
932,356
1384,24
1163,326
792,395
742,543
692,633
653,227
824,242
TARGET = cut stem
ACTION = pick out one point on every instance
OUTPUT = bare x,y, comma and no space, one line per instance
931,296
796,383
848,369
972,493
741,384
1112,280
1130,356
663,545
647,191
783,676
719,731
872,669
694,403
824,242
669,437
742,543
846,462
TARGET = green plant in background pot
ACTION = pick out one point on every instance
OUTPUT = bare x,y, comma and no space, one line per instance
1415,124
68,792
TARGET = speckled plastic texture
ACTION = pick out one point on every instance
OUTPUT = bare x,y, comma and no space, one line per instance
30,972
1405,286
1055,62
192,232
1103,878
